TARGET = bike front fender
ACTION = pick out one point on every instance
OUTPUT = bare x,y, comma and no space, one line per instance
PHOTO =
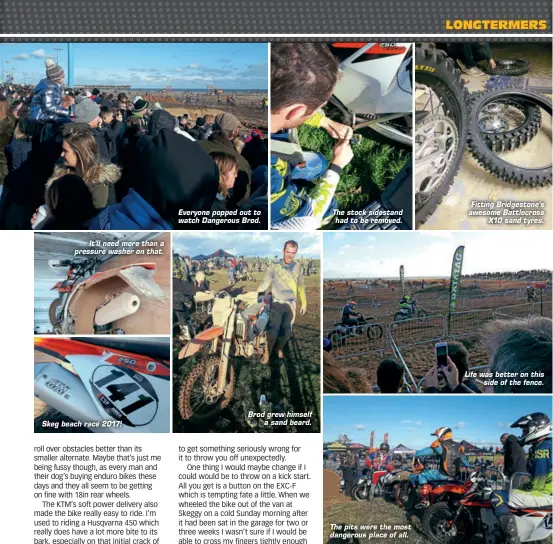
199,340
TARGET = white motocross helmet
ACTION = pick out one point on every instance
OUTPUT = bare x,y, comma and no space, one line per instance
534,427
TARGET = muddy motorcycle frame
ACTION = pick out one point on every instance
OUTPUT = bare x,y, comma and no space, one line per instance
230,331
86,310
475,512
109,386
375,87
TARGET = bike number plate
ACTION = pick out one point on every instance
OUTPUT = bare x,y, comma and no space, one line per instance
125,395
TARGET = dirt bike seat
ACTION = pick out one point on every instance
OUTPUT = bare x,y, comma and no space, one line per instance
158,348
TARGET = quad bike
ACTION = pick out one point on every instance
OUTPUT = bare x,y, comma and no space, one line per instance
474,515
238,330
410,313
105,302
113,386
340,333
375,89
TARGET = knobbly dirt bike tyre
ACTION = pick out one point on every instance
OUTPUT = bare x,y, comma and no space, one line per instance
398,317
432,516
436,70
523,176
53,312
185,408
422,313
506,67
335,339
519,136
360,493
374,332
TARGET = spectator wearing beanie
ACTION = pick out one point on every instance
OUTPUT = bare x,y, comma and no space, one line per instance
225,131
87,112
47,99
198,132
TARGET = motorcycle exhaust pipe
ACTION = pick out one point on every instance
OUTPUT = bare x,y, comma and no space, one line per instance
64,391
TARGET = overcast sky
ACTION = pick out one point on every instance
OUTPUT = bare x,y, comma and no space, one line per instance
359,254
247,244
145,65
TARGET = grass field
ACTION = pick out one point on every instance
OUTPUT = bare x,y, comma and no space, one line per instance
376,162
295,385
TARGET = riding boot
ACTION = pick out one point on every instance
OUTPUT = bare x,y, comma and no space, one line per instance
508,526
424,493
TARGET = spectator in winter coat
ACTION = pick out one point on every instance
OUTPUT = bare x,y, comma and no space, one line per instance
7,127
47,100
228,171
514,457
20,146
171,176
80,156
69,204
88,112
226,131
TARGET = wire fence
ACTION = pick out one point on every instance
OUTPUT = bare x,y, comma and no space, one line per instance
398,335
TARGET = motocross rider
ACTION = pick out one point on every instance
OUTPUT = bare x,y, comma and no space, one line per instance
536,433
406,303
381,459
451,459
350,318
284,280
303,77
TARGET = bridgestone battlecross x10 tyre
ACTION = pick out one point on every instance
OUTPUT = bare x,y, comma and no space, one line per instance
519,136
488,159
436,70
507,67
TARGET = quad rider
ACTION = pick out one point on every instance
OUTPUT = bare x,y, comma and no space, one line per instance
536,433
451,459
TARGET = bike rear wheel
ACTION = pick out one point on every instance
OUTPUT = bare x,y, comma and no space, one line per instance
436,525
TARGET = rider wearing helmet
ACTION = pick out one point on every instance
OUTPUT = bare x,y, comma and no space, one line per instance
350,318
536,433
450,457
406,302
381,459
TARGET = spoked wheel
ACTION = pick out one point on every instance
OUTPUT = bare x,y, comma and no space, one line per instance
422,313
439,529
336,338
509,124
374,332
198,396
436,146
442,93
360,492
53,313
506,67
